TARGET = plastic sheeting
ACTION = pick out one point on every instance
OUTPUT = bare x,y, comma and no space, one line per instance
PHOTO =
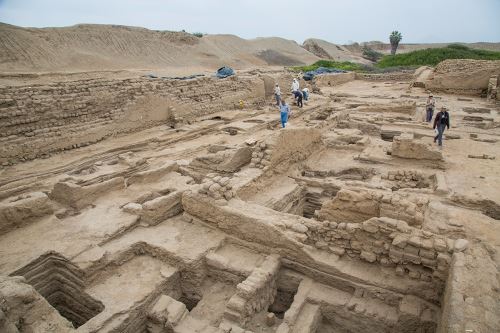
224,72
321,70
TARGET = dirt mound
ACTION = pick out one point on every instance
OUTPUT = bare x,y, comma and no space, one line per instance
316,49
105,47
273,57
463,75
326,50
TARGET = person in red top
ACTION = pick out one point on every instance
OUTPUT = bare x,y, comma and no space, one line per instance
441,121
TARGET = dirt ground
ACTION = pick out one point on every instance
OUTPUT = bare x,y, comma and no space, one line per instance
209,225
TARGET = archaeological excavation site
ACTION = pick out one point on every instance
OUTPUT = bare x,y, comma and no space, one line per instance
146,204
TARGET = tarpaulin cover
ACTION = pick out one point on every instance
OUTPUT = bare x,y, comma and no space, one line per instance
224,72
321,70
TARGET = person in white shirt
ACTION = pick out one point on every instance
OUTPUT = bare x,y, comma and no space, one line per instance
295,85
277,94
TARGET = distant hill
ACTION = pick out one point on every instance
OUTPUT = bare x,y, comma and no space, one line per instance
92,47
108,47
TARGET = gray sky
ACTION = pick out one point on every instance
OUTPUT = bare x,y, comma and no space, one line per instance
338,21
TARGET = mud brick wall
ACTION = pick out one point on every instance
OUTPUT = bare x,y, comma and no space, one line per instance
463,76
422,255
359,205
494,88
470,302
255,293
400,76
38,120
334,79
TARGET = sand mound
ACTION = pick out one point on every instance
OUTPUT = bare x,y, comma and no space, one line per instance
326,50
100,47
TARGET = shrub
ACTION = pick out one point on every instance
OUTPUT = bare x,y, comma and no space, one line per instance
457,46
431,57
344,65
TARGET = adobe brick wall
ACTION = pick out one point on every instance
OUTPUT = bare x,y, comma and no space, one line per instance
37,120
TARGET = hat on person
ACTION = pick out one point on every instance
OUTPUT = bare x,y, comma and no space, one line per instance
444,108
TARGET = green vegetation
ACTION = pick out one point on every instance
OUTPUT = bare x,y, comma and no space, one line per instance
431,57
197,34
350,66
405,61
345,65
395,37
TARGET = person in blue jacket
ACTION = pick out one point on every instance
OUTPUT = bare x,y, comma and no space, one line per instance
284,112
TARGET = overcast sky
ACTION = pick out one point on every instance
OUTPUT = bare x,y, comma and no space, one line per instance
339,21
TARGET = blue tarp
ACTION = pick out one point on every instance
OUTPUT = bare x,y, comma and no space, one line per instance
321,70
224,72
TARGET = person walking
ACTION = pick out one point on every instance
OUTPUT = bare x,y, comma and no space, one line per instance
441,121
284,111
295,85
277,94
429,108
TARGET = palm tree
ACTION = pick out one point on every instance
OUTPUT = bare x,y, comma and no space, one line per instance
395,38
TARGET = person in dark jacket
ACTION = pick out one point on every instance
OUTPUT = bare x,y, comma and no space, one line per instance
441,121
298,97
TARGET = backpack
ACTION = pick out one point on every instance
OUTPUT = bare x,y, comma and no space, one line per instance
444,118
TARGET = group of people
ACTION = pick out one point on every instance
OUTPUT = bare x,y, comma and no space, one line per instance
299,97
441,121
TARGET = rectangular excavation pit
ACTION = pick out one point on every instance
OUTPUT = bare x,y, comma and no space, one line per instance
60,283
284,290
284,297
288,196
348,306
208,303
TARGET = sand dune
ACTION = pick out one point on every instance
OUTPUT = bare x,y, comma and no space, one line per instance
92,47
100,47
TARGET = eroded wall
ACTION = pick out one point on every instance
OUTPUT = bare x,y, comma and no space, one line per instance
463,76
36,120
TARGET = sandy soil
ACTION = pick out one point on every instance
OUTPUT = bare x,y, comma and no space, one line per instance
104,47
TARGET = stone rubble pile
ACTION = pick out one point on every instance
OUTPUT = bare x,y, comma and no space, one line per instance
217,187
261,156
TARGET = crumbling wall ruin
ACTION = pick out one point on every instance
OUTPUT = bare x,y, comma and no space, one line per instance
463,76
37,120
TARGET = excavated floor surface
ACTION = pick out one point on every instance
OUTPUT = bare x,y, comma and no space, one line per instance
348,220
